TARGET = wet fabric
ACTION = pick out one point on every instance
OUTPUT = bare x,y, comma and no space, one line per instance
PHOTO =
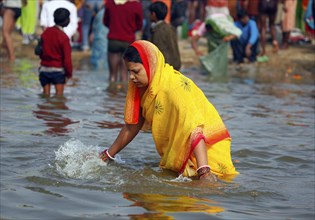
179,114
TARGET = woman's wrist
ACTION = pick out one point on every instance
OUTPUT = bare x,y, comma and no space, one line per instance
104,155
110,157
202,170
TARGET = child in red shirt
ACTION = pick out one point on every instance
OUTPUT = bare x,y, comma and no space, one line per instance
56,62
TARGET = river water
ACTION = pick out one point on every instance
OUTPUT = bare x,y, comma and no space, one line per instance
49,148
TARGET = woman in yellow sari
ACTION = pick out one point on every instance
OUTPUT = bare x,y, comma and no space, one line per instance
188,132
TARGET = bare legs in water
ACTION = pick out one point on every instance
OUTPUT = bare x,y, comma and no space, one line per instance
117,70
58,87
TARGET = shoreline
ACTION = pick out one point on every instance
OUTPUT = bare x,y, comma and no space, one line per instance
297,63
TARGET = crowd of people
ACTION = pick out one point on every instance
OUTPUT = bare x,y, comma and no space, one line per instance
194,141
105,28
254,19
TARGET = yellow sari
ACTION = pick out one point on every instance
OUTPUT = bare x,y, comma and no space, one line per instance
180,116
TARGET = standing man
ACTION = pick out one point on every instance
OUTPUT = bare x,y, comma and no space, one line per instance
123,19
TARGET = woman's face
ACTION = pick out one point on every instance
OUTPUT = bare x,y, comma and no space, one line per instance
137,74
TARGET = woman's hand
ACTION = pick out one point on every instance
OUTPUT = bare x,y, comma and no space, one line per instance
204,173
209,177
105,156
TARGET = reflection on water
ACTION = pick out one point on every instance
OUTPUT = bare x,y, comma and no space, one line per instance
49,152
116,87
159,205
21,73
108,124
56,122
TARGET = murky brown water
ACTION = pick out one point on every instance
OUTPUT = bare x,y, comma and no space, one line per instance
50,169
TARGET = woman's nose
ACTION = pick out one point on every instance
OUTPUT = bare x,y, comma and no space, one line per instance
131,76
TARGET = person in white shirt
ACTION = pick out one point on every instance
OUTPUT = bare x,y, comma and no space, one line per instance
47,18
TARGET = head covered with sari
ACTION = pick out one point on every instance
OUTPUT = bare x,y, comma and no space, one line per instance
180,116
149,55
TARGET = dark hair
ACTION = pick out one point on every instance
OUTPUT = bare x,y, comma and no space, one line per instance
62,17
160,9
241,14
131,54
209,27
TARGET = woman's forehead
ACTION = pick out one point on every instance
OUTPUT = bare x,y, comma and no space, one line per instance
133,65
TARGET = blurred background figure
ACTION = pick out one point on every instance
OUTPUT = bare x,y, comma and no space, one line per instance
234,7
146,29
47,18
10,14
288,21
164,35
178,13
219,30
90,9
146,19
99,41
251,8
123,19
246,46
309,19
168,4
196,10
76,39
28,21
268,13
217,6
55,54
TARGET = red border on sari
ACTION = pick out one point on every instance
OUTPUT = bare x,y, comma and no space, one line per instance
212,140
143,57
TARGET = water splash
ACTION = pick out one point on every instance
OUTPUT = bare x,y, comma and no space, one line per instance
181,179
117,159
77,160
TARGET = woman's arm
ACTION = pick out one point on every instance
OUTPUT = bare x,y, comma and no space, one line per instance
125,136
204,170
194,44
